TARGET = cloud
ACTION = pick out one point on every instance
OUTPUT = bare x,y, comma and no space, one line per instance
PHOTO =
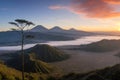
92,8
57,7
112,1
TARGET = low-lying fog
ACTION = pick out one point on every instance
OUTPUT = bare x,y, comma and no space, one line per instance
82,40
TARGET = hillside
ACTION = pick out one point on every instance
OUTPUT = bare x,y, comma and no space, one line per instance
101,46
109,73
36,58
31,65
7,73
46,53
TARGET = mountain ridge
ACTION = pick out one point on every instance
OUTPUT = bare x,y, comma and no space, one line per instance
53,29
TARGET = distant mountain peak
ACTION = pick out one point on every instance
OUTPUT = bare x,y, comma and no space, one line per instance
39,28
56,29
72,29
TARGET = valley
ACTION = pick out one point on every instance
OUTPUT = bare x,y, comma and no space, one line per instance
59,52
84,61
59,39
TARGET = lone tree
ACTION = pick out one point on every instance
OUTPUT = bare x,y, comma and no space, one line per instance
22,24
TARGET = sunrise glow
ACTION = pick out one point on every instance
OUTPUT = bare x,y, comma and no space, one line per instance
118,29
94,15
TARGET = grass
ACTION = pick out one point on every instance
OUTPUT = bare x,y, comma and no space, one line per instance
7,73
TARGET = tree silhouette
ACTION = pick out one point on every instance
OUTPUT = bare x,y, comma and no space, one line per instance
22,24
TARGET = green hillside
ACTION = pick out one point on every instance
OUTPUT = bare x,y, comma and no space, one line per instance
7,73
109,73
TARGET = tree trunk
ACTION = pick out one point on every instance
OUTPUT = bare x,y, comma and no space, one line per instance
22,54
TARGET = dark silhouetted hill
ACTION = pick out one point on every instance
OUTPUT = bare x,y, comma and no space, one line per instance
101,46
46,53
36,58
31,65
109,73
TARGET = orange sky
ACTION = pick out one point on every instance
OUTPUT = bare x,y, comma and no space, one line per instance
87,15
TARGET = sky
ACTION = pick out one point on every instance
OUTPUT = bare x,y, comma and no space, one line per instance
87,15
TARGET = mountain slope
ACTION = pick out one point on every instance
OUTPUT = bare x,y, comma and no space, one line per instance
46,53
31,65
101,46
56,29
36,58
39,28
7,73
109,73
72,29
